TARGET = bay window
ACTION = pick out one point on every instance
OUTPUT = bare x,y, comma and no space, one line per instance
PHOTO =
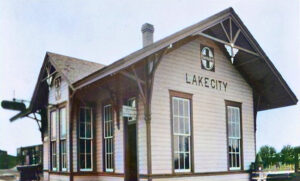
85,139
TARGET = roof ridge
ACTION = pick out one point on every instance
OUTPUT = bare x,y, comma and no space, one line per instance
74,58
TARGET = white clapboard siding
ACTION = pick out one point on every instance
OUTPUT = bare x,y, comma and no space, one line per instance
97,178
54,177
233,177
46,150
64,89
45,176
142,139
99,137
209,116
68,136
74,140
119,145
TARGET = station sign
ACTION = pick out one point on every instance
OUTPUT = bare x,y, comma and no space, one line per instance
128,111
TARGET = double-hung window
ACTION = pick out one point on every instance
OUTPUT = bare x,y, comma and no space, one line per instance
53,120
63,138
234,136
85,139
181,118
108,138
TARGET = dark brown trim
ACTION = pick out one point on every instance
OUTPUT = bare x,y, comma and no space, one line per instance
70,121
109,174
94,134
86,174
59,173
239,105
190,98
157,176
185,95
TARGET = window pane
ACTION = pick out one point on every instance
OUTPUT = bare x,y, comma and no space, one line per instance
82,115
82,146
53,125
186,108
82,130
88,115
88,130
88,161
181,125
238,160
180,107
63,122
187,161
230,145
176,142
230,160
88,146
181,161
186,143
187,125
181,143
175,123
82,161
176,161
175,107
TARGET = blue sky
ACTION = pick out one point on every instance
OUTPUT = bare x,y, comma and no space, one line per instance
104,31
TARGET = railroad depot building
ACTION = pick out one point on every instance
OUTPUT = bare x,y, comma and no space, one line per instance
181,108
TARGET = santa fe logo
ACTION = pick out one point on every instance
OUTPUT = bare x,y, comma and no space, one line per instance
207,58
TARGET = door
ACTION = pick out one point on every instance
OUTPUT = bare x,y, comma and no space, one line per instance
130,131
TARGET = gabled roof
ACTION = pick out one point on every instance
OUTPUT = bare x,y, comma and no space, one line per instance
252,63
270,88
73,69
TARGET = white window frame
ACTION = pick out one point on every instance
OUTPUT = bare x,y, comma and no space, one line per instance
63,158
231,138
178,134
53,125
53,139
85,138
54,150
107,138
63,140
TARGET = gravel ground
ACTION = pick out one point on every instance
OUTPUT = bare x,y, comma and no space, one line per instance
9,174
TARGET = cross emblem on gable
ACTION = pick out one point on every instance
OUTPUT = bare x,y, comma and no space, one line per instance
207,58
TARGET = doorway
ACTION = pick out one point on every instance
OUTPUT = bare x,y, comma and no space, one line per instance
130,130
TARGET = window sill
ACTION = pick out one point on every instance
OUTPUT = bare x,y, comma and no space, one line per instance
86,170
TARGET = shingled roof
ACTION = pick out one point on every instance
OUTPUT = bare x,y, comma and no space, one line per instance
73,69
